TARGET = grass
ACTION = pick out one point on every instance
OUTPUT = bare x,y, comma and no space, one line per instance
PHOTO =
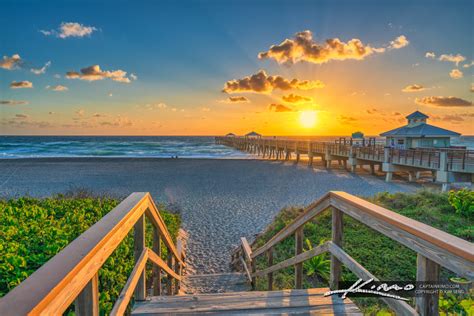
383,257
33,230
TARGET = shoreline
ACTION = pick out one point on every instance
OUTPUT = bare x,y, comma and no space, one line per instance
220,200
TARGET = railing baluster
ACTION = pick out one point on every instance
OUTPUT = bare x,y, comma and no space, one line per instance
254,269
156,269
298,250
336,266
169,279
87,302
427,270
270,263
139,245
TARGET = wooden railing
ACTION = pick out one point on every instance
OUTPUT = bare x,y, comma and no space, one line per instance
72,275
434,248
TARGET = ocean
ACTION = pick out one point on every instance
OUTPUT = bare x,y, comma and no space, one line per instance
133,146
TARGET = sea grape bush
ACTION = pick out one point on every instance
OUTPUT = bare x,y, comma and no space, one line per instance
34,230
462,201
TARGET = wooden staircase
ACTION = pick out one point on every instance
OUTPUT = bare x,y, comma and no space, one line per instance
72,275
287,302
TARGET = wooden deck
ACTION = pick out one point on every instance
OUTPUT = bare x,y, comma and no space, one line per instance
287,302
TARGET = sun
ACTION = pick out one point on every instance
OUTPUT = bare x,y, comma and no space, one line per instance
308,119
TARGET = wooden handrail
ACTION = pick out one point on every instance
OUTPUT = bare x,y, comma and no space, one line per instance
53,287
434,247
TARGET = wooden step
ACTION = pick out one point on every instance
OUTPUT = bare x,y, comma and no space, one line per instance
288,302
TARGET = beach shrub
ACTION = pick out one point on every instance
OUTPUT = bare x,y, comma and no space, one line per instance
462,201
34,230
382,256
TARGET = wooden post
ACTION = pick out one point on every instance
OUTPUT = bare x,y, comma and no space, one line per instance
270,263
169,280
139,245
156,269
87,302
427,270
299,266
177,269
336,266
254,269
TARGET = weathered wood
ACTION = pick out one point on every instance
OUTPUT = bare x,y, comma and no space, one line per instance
121,304
447,250
256,303
298,251
156,268
139,247
254,276
177,266
293,261
87,302
427,270
247,251
169,280
247,272
53,287
337,231
155,218
309,212
400,307
162,264
270,274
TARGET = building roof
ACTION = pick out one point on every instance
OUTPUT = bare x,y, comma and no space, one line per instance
417,114
253,134
421,130
230,134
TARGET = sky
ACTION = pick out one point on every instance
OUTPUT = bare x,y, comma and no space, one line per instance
213,67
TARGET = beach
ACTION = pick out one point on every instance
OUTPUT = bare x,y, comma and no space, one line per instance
220,200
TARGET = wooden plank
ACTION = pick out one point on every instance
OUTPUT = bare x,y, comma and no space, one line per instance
336,231
157,221
133,280
87,302
427,270
247,251
244,264
309,212
298,251
293,261
139,247
270,263
449,251
53,287
400,307
156,268
162,264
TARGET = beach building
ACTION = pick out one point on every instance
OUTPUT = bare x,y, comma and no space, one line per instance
419,134
230,135
253,134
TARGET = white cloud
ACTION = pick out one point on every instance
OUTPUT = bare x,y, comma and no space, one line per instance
399,42
42,70
133,77
70,29
469,65
456,74
430,55
452,58
155,106
10,63
93,73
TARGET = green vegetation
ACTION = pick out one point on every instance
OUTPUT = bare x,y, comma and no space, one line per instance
383,257
34,230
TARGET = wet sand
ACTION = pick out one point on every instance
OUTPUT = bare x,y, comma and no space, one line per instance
219,200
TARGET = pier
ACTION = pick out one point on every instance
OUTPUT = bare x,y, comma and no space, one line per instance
446,165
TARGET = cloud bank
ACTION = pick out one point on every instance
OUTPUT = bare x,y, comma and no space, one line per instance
94,73
443,101
262,83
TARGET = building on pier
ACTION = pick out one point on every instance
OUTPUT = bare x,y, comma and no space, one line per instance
419,134
253,135
230,135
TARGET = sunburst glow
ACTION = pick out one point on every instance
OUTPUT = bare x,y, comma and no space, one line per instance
308,119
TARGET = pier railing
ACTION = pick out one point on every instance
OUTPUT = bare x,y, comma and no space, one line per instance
72,275
434,248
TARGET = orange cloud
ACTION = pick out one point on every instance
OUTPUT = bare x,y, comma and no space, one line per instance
274,107
236,99
10,63
456,74
262,83
413,88
303,48
443,101
294,98
94,73
21,84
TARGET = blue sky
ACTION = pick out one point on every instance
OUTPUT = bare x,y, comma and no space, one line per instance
184,52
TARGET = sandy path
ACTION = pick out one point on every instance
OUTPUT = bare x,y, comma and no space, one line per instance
220,200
